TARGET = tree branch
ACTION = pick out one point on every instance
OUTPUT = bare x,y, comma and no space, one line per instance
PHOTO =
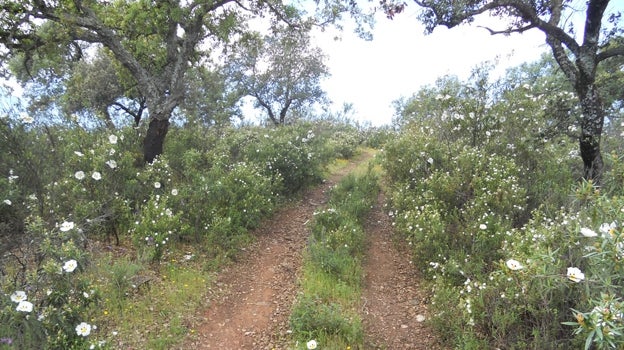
508,30
268,108
526,13
616,51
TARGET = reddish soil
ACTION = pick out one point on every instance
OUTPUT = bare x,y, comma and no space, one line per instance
250,301
394,307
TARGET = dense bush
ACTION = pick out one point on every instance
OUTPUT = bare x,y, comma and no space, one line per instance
459,213
517,253
294,155
66,191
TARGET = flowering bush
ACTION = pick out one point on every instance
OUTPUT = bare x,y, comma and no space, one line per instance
344,143
483,198
157,227
54,301
458,212
294,155
65,189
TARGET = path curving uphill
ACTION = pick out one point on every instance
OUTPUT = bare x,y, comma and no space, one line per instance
250,301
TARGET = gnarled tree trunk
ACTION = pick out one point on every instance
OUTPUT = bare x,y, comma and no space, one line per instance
591,132
155,138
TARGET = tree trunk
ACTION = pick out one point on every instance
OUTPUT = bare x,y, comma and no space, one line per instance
591,132
107,119
155,138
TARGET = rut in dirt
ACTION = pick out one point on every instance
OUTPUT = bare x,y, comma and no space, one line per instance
250,301
394,306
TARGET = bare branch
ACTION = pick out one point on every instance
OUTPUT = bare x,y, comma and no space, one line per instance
508,30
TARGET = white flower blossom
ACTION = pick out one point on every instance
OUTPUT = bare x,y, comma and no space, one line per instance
574,274
18,296
157,184
24,306
112,139
12,177
70,265
608,229
514,265
587,232
7,202
79,175
66,226
112,164
96,176
83,329
311,344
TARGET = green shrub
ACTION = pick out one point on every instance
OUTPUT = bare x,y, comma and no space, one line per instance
293,154
509,278
326,310
460,213
316,320
344,143
336,262
378,137
468,197
48,302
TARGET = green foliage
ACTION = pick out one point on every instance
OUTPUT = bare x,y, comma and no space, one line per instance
292,155
281,71
327,309
67,192
614,183
121,274
52,298
514,251
377,137
317,320
344,143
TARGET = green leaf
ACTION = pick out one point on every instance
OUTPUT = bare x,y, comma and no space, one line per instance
589,339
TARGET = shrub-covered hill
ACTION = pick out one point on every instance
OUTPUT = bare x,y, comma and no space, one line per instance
519,253
83,220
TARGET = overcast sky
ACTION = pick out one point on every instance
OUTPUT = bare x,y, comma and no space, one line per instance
401,59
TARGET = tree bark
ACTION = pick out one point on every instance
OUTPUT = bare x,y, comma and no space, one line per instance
591,132
155,138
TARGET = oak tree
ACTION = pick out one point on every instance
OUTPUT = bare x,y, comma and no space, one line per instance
281,71
577,54
156,41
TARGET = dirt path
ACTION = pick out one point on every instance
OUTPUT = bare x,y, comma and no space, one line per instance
251,299
393,306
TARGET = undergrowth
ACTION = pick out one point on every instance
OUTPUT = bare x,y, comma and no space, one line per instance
326,311
108,252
